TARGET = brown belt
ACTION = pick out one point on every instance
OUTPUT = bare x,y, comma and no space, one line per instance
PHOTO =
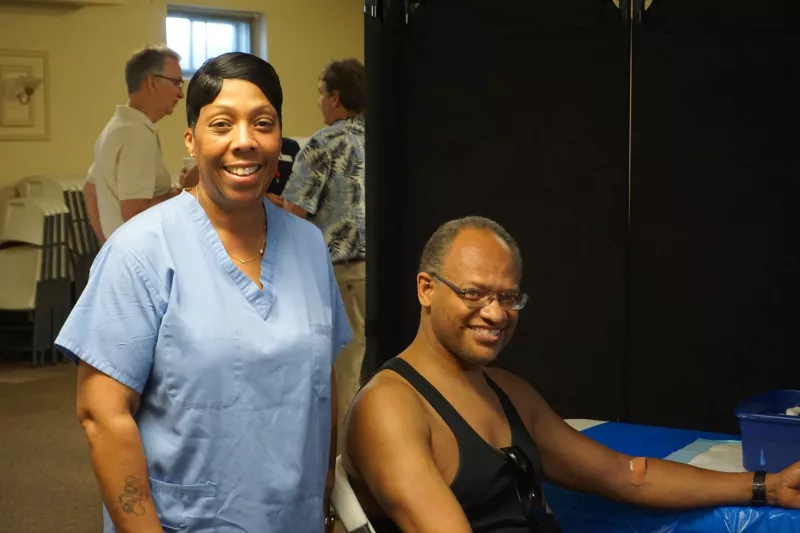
349,261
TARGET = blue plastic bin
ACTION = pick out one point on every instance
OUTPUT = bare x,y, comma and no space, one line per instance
770,437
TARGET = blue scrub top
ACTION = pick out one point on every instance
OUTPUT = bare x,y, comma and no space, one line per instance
234,380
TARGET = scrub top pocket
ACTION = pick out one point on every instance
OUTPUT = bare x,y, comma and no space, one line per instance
181,507
202,365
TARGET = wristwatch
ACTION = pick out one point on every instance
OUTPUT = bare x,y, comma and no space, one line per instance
759,489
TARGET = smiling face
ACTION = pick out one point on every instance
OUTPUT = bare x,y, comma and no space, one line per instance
236,144
477,259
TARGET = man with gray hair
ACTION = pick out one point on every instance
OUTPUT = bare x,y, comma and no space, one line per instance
128,174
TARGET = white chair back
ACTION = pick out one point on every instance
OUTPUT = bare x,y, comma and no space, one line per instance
345,504
23,218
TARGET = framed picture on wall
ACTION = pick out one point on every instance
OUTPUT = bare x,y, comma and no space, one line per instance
24,96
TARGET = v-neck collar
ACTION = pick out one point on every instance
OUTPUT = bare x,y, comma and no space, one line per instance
260,299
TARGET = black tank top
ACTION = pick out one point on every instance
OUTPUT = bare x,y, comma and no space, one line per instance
485,484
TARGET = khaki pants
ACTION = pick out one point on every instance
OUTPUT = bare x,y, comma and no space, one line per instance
352,280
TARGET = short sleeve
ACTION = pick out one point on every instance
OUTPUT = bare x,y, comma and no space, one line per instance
309,175
114,325
90,178
137,169
342,333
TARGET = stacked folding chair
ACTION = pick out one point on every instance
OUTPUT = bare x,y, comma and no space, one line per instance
82,242
35,285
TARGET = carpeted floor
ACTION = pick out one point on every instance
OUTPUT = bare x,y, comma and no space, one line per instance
46,479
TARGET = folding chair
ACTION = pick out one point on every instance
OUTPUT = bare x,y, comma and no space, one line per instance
345,503
81,240
35,260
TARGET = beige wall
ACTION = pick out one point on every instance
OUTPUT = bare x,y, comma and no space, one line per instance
88,48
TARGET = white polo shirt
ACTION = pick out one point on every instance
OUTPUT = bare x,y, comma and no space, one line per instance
128,165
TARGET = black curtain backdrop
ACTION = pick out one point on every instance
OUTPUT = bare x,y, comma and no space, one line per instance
667,306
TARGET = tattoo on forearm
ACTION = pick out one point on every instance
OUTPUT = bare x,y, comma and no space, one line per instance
133,495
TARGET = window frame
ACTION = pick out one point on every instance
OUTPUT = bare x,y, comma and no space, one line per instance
196,14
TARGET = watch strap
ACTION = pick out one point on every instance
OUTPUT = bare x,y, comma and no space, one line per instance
759,489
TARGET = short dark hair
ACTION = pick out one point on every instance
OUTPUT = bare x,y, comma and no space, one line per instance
149,60
347,78
206,83
441,241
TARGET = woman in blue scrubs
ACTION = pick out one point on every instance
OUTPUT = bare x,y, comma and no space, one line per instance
206,335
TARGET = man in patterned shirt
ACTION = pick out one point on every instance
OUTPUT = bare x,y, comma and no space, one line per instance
327,187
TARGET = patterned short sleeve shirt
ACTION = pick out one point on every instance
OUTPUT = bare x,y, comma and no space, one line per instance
327,181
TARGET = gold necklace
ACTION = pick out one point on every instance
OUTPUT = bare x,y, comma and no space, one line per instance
241,261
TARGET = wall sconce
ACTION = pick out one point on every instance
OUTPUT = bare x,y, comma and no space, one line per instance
21,87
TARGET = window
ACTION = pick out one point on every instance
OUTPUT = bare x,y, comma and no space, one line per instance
197,35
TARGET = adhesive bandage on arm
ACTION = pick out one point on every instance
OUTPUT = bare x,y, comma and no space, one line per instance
638,467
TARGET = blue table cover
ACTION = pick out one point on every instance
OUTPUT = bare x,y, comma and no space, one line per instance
583,513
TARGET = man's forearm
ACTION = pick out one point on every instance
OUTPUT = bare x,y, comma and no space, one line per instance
131,208
172,193
295,209
678,486
92,211
119,464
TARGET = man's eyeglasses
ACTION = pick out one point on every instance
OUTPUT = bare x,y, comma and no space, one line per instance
483,297
177,82
529,487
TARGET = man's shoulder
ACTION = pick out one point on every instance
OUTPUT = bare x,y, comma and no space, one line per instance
386,419
518,389
137,133
386,392
523,395
507,379
118,134
387,413
332,130
387,383
323,137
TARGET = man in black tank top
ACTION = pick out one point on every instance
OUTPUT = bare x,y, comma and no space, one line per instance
437,442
